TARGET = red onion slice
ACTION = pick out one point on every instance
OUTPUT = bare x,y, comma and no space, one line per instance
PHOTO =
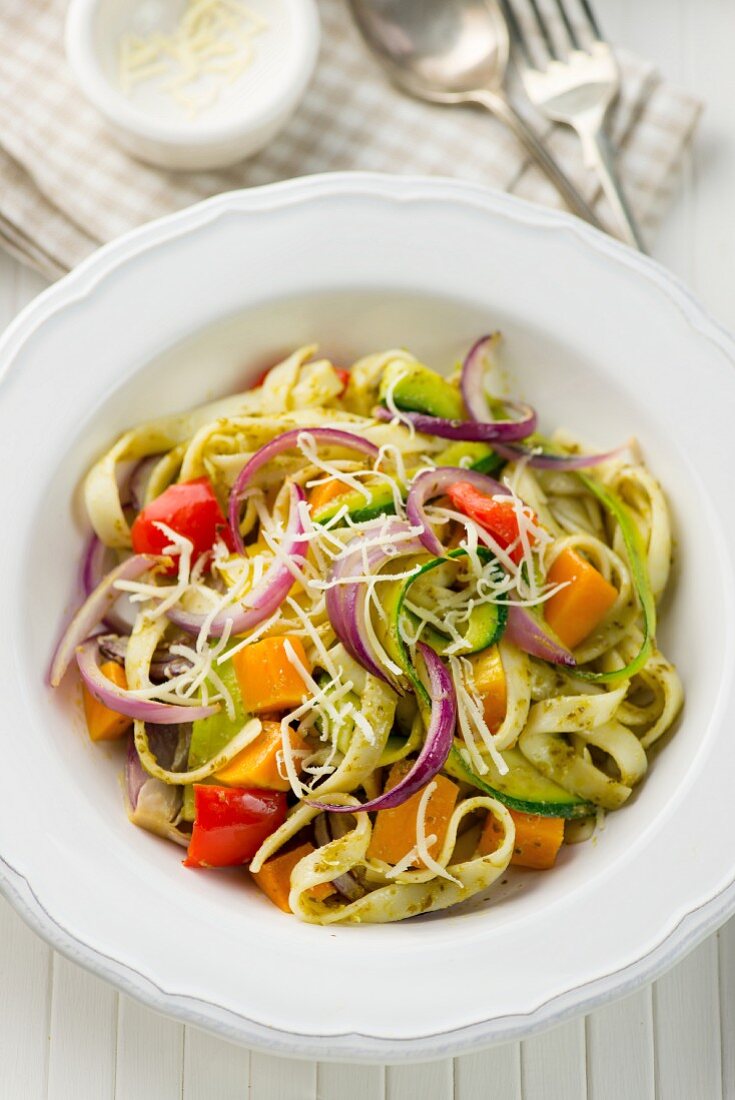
121,616
436,746
433,483
124,702
513,452
93,610
347,603
532,635
473,392
471,431
93,564
268,595
332,436
472,379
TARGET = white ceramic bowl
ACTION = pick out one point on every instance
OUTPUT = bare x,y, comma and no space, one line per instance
150,124
602,340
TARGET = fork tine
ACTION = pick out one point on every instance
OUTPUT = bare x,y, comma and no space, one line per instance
573,38
516,33
592,20
544,30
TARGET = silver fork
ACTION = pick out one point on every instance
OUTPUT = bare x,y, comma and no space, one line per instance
576,85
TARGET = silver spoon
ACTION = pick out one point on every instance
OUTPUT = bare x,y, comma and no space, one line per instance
455,51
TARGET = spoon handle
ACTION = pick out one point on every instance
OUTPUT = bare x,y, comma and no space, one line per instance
499,106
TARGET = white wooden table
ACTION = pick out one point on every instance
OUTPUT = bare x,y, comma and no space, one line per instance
66,1035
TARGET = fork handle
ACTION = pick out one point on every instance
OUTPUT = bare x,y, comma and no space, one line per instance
499,106
598,154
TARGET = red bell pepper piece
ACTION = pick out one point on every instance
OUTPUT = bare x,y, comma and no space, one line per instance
344,377
230,824
260,379
191,509
497,517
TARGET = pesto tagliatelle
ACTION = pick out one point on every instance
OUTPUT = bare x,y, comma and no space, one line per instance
370,635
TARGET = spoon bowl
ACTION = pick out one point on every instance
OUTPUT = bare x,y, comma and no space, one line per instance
440,51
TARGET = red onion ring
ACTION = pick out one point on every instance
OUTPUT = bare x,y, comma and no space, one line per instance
473,392
268,595
472,380
124,702
93,610
92,570
472,431
277,446
472,385
532,635
513,452
436,746
347,603
433,483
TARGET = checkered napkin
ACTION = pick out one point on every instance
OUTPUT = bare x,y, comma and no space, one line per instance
66,187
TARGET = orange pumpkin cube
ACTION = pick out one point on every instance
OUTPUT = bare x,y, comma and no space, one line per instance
103,723
394,831
322,494
257,764
489,678
537,843
268,680
574,611
274,877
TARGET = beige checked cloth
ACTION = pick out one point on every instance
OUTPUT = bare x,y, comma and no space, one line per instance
66,187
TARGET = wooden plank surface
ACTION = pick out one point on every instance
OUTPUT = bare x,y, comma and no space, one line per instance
430,1081
150,1054
492,1073
620,1050
686,1009
214,1069
554,1064
334,1082
82,1034
281,1078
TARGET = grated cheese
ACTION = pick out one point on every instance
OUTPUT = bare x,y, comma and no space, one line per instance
307,445
168,595
423,841
404,864
211,46
472,722
390,403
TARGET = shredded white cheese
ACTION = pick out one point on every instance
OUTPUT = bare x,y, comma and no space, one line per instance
211,46
423,842
472,722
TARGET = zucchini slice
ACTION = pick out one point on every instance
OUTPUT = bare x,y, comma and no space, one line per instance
416,388
484,627
523,788
381,503
475,456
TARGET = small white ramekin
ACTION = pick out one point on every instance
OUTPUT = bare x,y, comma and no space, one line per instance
238,126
